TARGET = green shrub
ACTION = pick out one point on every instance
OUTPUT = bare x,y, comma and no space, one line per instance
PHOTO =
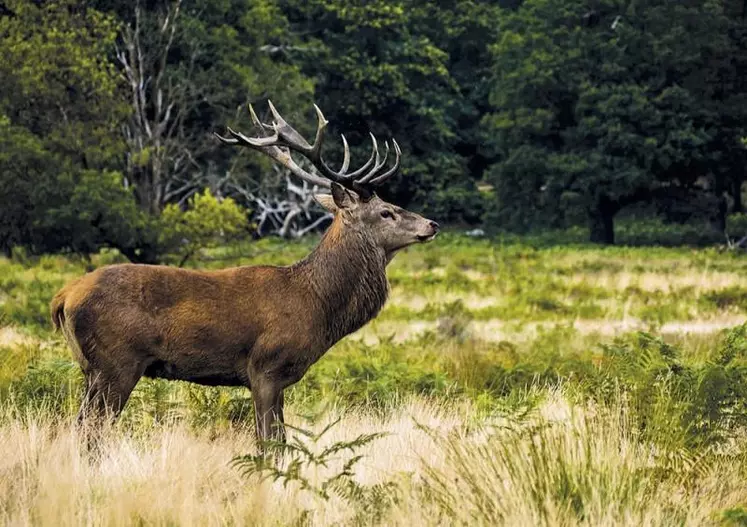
47,385
734,347
678,404
736,225
656,232
207,222
377,377
734,517
303,457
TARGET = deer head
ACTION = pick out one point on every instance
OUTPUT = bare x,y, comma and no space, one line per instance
353,199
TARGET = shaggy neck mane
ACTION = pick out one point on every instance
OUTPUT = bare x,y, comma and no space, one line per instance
347,275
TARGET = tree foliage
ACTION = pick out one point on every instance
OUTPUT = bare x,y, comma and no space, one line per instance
599,108
386,67
570,111
207,222
188,65
59,108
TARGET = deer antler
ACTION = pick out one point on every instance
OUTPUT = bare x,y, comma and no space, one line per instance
284,138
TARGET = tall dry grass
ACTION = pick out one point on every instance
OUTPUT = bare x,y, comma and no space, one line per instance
565,464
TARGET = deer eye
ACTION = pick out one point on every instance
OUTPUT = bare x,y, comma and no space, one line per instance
387,214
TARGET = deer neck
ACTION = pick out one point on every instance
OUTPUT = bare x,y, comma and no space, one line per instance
347,275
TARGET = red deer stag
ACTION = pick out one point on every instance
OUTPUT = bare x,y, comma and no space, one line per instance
256,326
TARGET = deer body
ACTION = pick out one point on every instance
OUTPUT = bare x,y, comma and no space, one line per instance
241,326
257,326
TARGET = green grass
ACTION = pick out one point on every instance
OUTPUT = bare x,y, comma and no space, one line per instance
505,281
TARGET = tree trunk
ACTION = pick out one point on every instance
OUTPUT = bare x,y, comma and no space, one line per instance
717,220
737,195
602,222
146,193
146,254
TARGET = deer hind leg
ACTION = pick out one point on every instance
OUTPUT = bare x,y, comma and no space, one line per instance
107,393
105,396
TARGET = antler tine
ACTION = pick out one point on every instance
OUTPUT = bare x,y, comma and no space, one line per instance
290,136
226,140
295,141
367,165
320,129
389,173
239,138
276,145
379,164
319,163
346,155
256,122
257,142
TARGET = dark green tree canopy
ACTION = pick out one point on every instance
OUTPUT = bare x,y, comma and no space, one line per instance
515,114
603,107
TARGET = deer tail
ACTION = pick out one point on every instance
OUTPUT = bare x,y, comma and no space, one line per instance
57,308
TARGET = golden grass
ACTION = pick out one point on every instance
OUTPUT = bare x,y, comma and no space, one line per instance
11,336
565,465
701,281
679,277
495,330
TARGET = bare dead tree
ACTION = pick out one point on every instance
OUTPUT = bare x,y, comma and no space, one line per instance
162,153
285,209
736,244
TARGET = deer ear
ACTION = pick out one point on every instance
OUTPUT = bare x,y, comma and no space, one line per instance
326,201
344,199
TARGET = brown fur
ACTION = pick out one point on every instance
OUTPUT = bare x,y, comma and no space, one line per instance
257,326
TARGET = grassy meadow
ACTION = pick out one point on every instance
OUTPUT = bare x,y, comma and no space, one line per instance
505,383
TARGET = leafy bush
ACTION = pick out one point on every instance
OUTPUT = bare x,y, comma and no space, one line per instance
98,212
687,405
49,385
39,378
647,232
207,222
375,377
736,225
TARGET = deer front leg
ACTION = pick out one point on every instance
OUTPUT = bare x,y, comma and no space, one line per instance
280,417
268,410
